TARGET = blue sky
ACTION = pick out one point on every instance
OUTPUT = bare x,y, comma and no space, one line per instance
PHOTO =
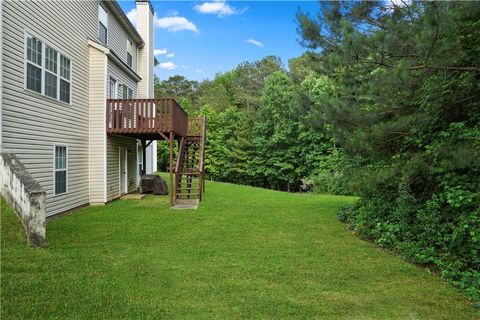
202,38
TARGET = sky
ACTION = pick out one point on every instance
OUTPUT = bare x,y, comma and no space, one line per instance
198,39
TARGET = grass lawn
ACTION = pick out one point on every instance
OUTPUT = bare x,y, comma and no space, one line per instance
245,253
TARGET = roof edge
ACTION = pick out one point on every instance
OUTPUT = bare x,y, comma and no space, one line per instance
116,59
115,7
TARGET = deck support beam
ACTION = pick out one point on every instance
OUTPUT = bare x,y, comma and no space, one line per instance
172,192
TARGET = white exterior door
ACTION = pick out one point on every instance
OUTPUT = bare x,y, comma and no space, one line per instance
123,171
139,162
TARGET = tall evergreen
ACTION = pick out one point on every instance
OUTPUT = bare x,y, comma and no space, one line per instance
401,93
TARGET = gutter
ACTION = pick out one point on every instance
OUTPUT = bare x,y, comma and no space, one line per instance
120,14
113,56
1,71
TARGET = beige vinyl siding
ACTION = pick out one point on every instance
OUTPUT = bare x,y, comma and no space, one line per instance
97,133
114,143
145,68
122,78
32,124
145,55
117,40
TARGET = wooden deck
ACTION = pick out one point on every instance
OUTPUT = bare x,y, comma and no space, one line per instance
146,119
164,119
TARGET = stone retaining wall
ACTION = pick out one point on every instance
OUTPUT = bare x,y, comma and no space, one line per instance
25,196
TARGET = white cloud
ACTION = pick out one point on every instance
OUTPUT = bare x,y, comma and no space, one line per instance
175,23
220,8
198,70
158,52
132,16
172,22
168,65
163,51
255,42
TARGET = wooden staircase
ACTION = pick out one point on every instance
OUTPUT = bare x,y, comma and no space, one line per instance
190,166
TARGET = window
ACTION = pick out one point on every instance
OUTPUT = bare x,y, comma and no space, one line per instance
127,92
64,79
129,53
102,24
47,71
50,72
60,183
34,64
112,88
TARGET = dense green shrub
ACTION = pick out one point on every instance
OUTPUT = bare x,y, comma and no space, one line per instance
332,174
399,89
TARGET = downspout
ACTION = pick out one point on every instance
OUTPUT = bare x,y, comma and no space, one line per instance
1,72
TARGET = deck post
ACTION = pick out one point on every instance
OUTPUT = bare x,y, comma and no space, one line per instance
170,140
144,157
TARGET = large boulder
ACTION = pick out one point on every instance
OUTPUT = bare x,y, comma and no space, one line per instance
153,183
306,186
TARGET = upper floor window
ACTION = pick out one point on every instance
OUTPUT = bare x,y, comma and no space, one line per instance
129,53
47,71
102,24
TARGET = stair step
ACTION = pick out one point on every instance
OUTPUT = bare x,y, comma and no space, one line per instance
188,194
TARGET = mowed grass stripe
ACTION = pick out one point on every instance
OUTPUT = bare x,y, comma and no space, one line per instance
245,253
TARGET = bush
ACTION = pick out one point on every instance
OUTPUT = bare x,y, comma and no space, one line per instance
332,174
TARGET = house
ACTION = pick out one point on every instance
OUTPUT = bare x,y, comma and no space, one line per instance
61,61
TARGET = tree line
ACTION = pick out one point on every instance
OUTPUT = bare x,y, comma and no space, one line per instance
259,132
385,104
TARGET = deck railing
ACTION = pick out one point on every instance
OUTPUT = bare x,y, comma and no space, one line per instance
137,116
195,126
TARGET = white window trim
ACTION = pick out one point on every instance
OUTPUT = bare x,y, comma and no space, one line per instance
64,79
129,51
116,87
55,169
44,69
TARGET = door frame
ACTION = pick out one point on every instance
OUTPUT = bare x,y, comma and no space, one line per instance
122,189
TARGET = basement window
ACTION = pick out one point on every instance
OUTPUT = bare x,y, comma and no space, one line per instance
60,178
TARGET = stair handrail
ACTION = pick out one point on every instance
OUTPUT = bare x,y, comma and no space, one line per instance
202,143
202,156
178,164
180,154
